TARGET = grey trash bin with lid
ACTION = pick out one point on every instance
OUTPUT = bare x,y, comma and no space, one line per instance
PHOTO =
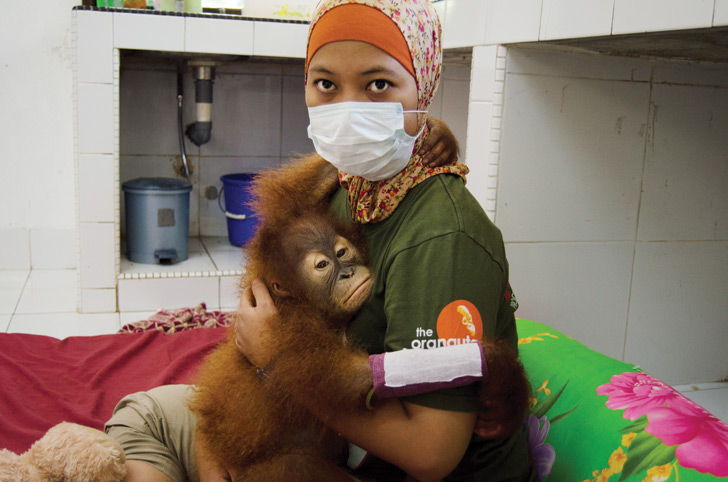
157,219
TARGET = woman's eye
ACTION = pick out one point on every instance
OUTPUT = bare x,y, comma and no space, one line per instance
340,253
322,264
379,85
324,85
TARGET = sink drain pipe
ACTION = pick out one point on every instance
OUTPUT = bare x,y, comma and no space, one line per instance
204,73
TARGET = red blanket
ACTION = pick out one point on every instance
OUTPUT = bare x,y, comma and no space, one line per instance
45,381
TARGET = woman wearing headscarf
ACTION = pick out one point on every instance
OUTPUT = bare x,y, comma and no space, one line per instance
372,68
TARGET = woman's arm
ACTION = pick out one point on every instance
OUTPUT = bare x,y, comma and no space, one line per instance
427,443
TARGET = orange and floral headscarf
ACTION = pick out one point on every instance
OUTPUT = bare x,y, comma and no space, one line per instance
409,31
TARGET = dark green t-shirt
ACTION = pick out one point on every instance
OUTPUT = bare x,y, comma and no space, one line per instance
441,277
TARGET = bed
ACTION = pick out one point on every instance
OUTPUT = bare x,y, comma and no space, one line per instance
592,418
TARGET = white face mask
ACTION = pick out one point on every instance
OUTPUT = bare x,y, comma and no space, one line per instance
364,139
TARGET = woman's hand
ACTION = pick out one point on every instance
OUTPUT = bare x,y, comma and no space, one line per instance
440,147
255,309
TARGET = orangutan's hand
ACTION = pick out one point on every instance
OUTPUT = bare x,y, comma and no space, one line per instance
440,147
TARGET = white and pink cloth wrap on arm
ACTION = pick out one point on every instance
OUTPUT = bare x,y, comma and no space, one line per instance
412,372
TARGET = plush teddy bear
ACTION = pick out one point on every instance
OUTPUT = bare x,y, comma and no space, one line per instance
67,452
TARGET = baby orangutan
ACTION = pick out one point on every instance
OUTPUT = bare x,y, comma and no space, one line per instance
253,421
316,271
318,277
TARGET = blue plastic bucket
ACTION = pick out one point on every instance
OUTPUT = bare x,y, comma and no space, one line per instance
241,218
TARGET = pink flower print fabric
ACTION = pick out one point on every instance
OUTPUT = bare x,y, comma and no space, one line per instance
701,439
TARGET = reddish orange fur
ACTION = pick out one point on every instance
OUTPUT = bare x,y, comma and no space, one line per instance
248,424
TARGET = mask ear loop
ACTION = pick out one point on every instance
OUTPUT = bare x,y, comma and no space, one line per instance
424,121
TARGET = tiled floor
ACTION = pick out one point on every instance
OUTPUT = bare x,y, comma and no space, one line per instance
713,396
206,254
43,302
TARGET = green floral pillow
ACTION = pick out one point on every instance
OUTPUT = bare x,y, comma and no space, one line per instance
594,418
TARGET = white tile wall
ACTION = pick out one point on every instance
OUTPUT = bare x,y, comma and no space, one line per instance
246,116
587,166
575,18
16,248
483,73
212,35
294,136
464,23
53,248
98,255
634,16
714,74
685,191
280,40
653,295
677,322
450,102
95,118
96,200
441,9
479,124
12,283
94,46
511,21
720,15
148,111
485,122
149,32
454,92
435,108
586,66
581,289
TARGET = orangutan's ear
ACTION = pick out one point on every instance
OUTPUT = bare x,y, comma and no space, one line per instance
278,290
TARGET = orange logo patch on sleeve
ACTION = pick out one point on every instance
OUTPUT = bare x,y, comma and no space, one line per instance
459,322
